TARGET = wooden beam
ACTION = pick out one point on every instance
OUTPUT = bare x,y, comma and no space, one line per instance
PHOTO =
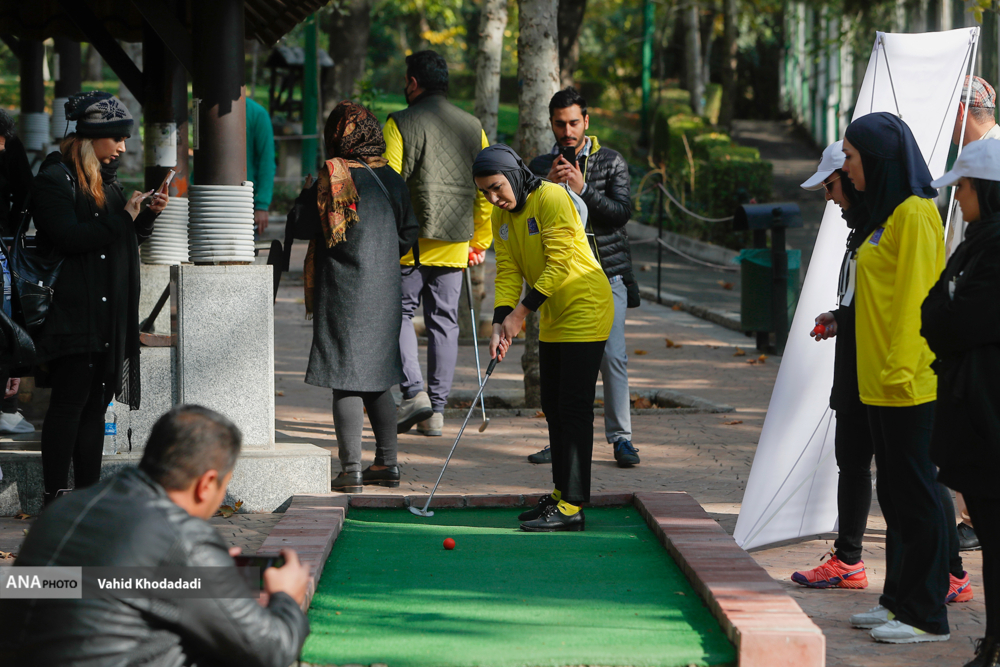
162,18
119,61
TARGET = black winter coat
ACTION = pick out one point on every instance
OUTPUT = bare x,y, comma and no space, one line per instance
963,331
95,304
609,205
15,184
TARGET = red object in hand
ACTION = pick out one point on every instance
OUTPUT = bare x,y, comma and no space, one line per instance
449,543
819,330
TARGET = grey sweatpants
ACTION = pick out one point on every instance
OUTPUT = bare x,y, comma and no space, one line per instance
614,371
439,287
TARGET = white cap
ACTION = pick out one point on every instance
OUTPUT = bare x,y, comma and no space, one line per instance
833,159
980,159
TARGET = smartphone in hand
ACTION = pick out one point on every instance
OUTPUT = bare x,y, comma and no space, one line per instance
568,153
166,182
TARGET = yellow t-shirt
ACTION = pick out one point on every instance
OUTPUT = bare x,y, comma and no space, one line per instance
544,244
434,252
897,266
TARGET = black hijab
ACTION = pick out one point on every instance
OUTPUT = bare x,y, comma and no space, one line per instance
894,167
501,159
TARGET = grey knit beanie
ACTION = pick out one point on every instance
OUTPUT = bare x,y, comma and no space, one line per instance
99,115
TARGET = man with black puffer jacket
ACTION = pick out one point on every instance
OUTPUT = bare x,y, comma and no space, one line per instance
600,177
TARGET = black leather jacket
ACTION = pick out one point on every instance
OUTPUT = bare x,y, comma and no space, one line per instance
609,205
128,520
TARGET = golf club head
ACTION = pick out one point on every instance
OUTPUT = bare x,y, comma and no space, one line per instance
482,427
420,512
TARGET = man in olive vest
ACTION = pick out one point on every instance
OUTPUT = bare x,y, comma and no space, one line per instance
432,144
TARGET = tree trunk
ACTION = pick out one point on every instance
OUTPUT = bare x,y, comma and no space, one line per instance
492,23
707,31
132,160
348,47
569,22
537,72
729,50
692,57
95,66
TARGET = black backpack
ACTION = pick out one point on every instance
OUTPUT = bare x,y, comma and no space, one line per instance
34,273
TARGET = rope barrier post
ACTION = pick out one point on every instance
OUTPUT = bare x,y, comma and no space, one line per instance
659,235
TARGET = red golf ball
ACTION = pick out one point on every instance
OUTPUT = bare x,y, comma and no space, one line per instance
819,330
449,544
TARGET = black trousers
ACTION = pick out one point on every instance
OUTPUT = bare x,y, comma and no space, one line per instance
985,514
74,425
568,383
917,542
854,450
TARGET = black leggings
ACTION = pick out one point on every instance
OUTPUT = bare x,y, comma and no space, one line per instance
917,541
985,514
74,424
348,419
854,485
568,381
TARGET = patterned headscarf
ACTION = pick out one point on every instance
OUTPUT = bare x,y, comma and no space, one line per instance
352,133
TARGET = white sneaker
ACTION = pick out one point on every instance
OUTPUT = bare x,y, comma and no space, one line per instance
897,632
15,423
413,410
432,426
872,618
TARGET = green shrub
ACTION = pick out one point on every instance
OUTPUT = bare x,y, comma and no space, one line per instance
733,176
675,96
704,142
679,127
713,102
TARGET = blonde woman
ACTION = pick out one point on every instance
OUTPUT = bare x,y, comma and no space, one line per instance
89,343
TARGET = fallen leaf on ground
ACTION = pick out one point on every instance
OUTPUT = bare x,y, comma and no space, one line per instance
5,554
733,423
279,393
463,404
740,352
676,306
641,352
645,267
539,415
670,343
22,516
762,358
715,347
642,403
752,362
724,285
227,511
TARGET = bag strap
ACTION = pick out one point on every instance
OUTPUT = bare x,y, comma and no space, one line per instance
416,246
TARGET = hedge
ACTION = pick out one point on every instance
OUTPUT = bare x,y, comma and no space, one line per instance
732,176
713,102
682,126
703,142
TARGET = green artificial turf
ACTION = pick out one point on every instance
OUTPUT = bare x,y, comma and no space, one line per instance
612,595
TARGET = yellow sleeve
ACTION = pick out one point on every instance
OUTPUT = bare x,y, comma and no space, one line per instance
483,236
393,145
509,278
919,262
558,221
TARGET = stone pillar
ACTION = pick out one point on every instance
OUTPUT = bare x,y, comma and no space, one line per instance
225,344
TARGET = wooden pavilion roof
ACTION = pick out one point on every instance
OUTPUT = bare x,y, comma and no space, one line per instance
266,20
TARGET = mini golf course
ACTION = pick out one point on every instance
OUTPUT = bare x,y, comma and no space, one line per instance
390,593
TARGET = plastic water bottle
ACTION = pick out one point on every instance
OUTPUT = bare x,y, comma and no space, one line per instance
110,429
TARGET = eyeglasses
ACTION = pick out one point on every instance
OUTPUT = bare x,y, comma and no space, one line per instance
829,185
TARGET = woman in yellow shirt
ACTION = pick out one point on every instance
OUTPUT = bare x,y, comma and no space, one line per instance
539,239
897,265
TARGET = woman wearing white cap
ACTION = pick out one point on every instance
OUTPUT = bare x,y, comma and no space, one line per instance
853,440
961,322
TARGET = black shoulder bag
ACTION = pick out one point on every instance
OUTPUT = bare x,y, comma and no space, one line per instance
34,274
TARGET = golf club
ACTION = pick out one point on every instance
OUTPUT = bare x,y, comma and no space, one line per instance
475,344
425,511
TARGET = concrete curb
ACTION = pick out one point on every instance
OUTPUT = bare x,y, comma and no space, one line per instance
510,402
704,312
764,623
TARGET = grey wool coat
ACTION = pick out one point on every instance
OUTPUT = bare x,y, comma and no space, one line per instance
357,299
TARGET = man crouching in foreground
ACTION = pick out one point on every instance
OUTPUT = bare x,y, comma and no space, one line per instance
155,516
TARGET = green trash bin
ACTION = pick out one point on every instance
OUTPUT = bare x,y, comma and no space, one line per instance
755,287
